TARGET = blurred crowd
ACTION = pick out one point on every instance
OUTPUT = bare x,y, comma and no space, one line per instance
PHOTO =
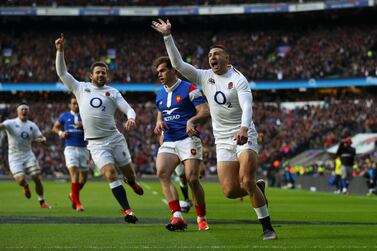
272,55
283,133
56,3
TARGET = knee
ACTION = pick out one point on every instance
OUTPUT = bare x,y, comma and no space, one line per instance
163,174
193,179
248,184
230,192
110,174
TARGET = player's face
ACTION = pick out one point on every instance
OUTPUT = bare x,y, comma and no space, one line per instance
23,114
218,60
74,106
99,76
166,75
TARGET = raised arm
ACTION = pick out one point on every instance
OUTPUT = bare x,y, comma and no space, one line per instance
187,70
61,68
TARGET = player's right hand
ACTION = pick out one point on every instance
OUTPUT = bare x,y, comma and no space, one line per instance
162,27
160,126
59,43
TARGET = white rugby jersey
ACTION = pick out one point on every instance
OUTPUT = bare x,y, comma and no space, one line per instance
229,95
20,135
97,104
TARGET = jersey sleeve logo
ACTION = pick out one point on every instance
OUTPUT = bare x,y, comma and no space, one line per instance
169,112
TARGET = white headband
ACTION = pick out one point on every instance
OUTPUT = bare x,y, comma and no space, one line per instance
23,106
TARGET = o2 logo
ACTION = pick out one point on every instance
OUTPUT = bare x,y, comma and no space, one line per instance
97,103
24,135
220,98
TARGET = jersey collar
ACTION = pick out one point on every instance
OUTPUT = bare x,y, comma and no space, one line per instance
171,89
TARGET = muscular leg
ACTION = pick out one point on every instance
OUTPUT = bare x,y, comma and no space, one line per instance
165,165
248,168
21,180
38,184
116,185
228,173
83,176
192,175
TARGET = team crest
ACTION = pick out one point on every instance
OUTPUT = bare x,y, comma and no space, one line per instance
178,99
107,94
230,85
211,81
193,151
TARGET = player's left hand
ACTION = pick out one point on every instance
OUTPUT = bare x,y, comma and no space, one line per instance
79,124
130,124
241,136
191,129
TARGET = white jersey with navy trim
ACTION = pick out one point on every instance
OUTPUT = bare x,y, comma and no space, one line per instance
97,104
228,95
222,92
20,135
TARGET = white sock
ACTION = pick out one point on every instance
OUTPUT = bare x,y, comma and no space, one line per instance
177,214
41,197
262,212
115,184
199,218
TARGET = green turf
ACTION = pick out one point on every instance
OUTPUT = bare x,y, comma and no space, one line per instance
303,221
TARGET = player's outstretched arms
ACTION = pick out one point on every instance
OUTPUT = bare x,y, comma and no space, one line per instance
187,70
61,68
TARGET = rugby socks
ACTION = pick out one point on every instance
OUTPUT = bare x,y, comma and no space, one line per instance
201,210
120,194
184,190
75,189
264,217
175,208
41,199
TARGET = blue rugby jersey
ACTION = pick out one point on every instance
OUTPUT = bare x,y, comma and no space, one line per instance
177,105
76,135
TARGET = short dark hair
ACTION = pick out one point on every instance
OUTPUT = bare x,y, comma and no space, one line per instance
99,63
72,97
162,60
221,46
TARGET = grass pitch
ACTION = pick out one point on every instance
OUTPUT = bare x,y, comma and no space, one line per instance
302,220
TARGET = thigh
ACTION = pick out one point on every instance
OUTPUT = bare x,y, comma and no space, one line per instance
71,157
122,155
192,167
102,156
31,166
248,164
228,173
166,162
83,158
16,167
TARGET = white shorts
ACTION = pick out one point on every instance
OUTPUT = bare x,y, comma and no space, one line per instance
180,169
110,150
228,150
25,164
188,148
76,156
